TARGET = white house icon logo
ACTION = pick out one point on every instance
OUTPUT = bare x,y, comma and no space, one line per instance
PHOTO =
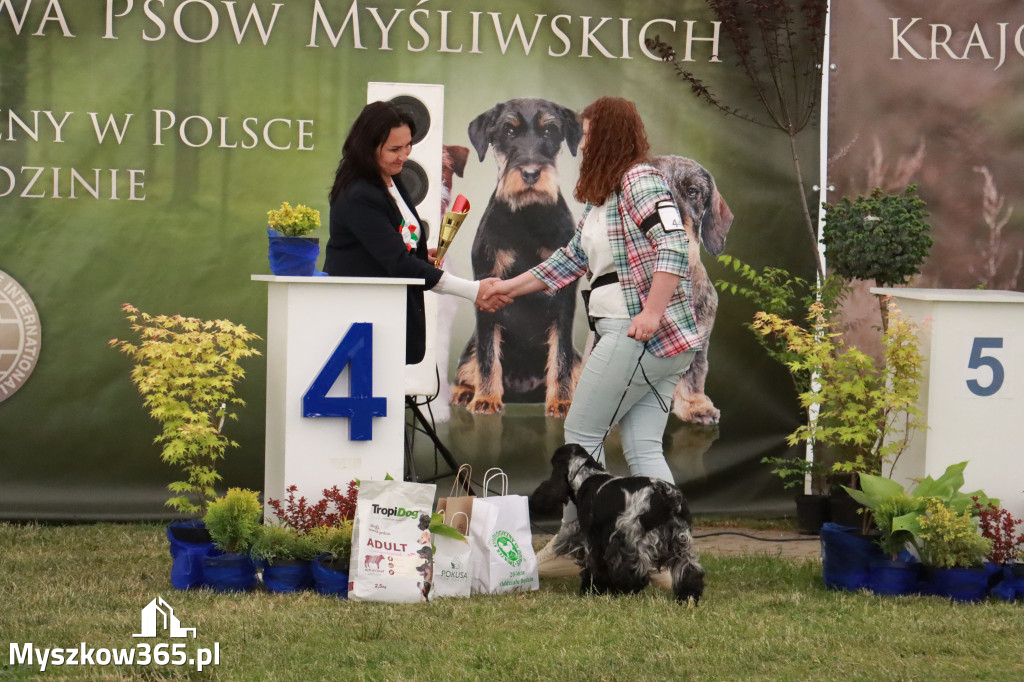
158,614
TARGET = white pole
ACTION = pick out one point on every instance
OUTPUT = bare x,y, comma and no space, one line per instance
827,67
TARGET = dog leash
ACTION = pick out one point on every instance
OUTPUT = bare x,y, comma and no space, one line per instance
661,401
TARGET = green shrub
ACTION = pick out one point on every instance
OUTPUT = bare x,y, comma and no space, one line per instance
950,539
234,520
335,540
281,543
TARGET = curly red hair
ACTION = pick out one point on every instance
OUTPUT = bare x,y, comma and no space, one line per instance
616,141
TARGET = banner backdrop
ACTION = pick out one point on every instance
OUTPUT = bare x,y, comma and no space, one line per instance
928,92
142,143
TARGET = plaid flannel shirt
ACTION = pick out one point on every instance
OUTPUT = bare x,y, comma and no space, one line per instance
637,256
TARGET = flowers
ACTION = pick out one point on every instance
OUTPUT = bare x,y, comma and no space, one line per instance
293,222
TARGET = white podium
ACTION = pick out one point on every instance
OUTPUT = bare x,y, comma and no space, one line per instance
972,394
335,381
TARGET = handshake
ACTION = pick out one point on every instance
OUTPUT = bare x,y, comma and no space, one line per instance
494,295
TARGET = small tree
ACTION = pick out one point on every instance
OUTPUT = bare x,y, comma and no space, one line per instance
870,409
883,238
186,369
779,47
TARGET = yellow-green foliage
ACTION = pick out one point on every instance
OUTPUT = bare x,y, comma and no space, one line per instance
336,540
279,543
293,222
866,406
234,520
949,539
186,370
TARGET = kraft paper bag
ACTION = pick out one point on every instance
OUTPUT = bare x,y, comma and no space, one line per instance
392,558
458,506
501,543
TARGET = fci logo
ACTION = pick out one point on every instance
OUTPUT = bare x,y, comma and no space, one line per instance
20,336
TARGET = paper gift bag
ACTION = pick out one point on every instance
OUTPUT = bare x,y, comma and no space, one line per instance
392,559
452,570
458,506
501,543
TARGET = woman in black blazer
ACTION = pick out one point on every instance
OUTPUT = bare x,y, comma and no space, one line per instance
375,230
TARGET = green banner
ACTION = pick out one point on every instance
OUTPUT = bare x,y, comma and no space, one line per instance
143,142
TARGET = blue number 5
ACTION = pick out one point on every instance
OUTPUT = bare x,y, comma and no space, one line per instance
978,360
355,352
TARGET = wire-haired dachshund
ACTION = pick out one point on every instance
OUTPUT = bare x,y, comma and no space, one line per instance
707,219
627,528
523,352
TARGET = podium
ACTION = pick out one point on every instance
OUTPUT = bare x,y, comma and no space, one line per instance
335,381
972,394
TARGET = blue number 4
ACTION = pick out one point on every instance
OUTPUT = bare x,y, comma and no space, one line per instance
355,352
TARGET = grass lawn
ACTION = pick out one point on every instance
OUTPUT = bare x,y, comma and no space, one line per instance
763,618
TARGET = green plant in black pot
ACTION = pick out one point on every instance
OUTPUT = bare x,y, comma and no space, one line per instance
882,237
234,520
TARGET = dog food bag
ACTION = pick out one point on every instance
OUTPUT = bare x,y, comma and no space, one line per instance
501,543
392,559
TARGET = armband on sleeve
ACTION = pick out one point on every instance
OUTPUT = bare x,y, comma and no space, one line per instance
667,215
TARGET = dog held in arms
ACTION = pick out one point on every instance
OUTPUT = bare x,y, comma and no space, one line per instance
523,352
628,527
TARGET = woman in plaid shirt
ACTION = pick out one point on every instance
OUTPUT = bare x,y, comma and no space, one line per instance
632,243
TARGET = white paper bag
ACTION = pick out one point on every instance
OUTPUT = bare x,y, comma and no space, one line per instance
392,559
502,556
452,569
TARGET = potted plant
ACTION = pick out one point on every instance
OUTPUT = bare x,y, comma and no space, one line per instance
286,556
187,370
1006,573
812,509
327,525
234,524
865,409
291,251
882,237
954,551
334,550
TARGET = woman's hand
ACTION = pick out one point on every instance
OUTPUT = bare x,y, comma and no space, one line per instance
644,325
492,297
431,255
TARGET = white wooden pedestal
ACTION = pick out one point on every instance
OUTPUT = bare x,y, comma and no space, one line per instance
307,318
973,390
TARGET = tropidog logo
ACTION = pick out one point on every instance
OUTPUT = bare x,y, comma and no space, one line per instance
20,336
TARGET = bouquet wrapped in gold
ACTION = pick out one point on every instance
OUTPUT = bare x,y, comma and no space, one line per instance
450,226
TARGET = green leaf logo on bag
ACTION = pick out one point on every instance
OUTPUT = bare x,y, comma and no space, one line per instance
507,548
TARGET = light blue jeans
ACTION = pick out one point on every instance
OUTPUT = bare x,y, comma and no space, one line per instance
640,417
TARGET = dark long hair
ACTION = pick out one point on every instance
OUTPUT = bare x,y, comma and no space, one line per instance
369,131
616,140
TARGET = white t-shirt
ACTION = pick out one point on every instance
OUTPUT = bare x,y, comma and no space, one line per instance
607,300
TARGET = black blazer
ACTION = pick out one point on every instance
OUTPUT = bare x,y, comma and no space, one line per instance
365,242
